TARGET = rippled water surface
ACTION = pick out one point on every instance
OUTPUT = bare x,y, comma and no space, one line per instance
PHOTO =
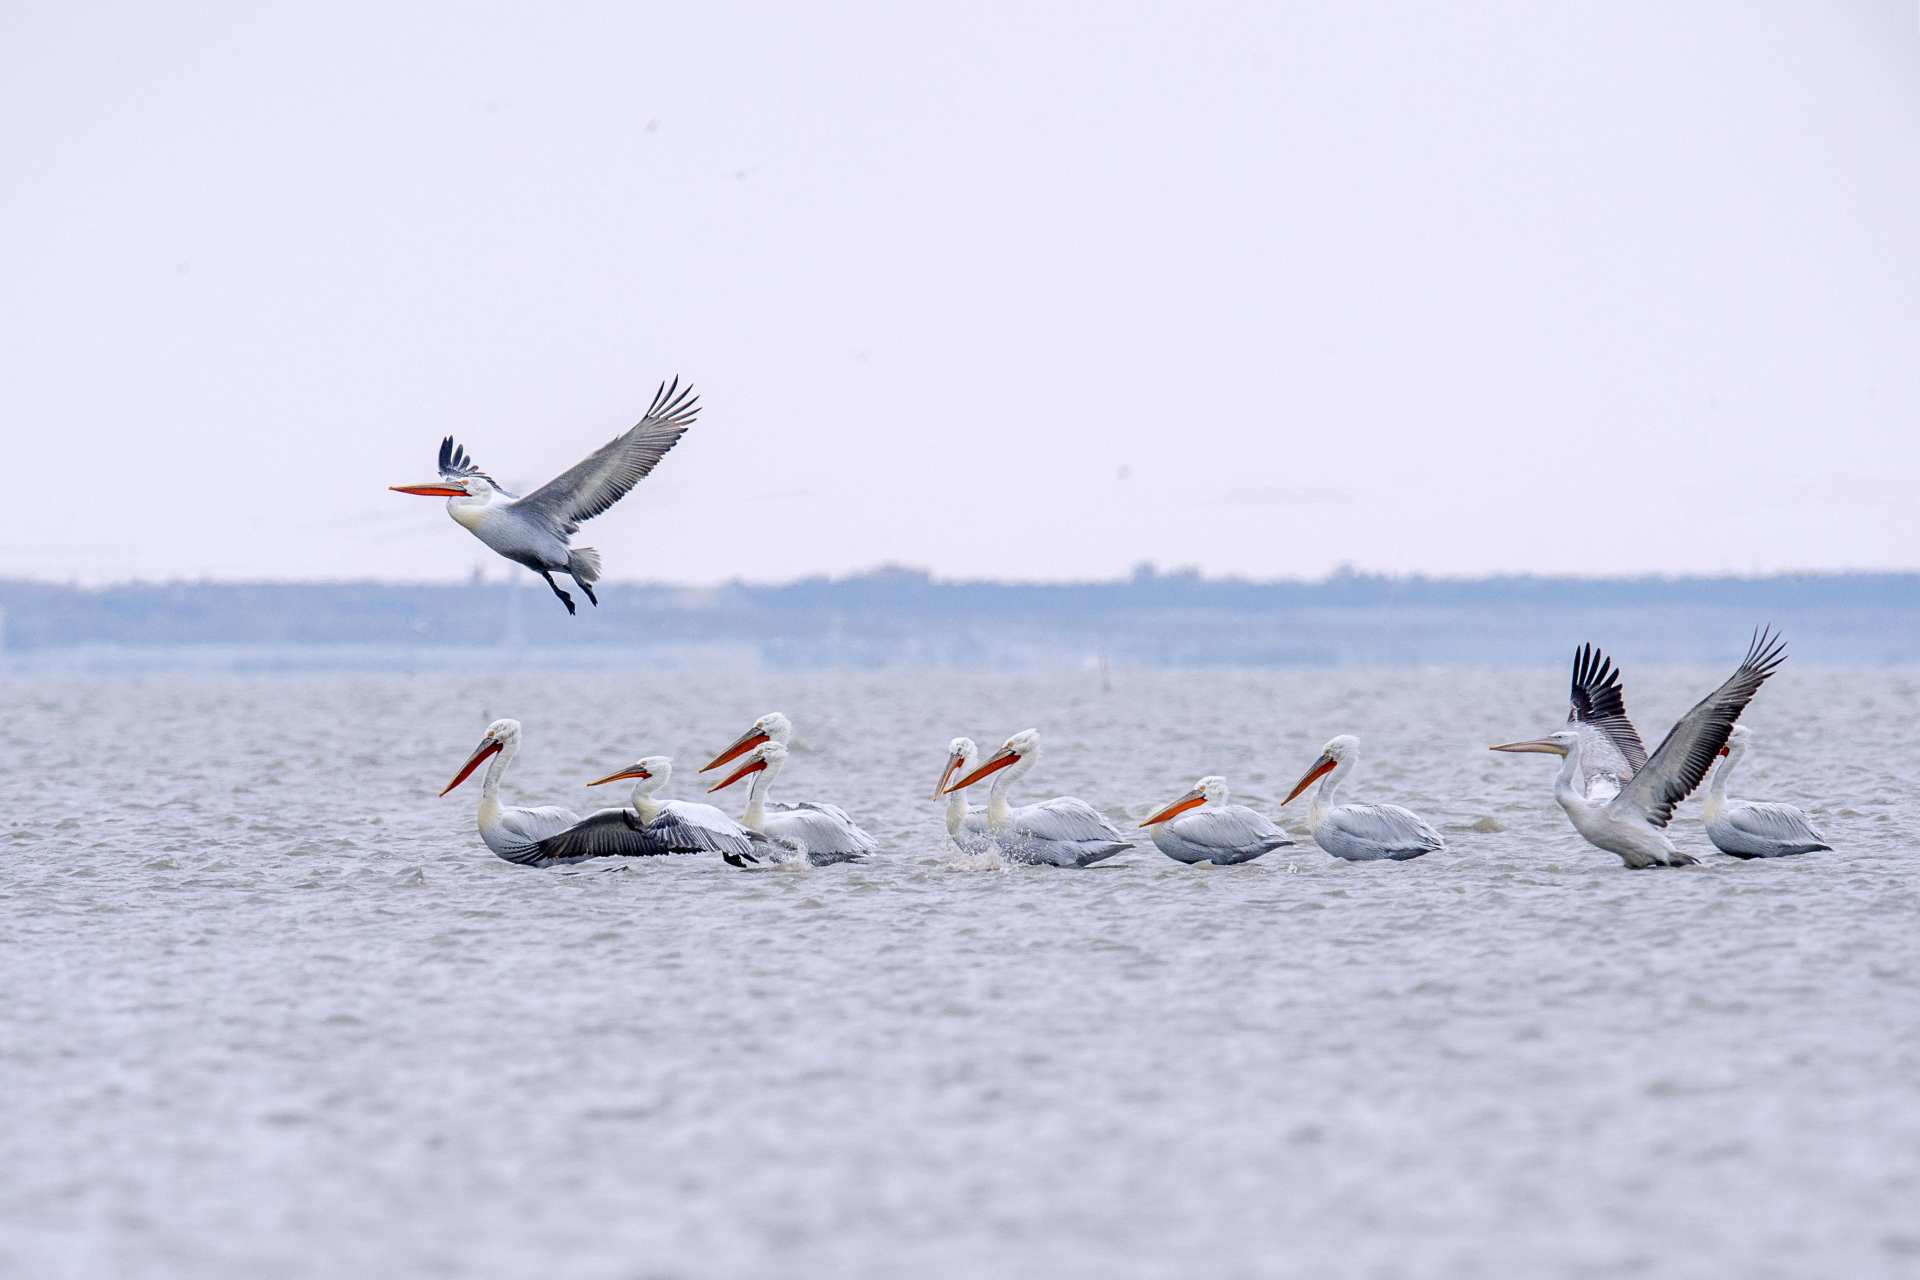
270,1006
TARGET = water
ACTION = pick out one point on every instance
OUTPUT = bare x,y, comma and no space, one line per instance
271,1007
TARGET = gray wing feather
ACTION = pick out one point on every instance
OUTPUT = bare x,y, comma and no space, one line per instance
1689,750
1232,833
588,488
1388,827
1598,700
1780,822
610,833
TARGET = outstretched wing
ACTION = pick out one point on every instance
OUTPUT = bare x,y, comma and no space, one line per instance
610,833
1599,701
687,827
1687,752
584,490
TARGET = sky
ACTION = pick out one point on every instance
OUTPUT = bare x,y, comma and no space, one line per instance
998,290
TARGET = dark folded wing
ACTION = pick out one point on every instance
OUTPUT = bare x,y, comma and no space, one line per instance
1685,755
1598,700
610,833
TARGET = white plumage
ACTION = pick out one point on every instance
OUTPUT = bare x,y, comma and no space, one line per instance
1063,832
1754,828
1201,826
1360,832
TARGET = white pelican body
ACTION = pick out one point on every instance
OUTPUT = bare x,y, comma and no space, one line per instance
966,824
536,530
1202,827
652,828
821,833
1058,833
1754,828
515,834
1631,822
1360,832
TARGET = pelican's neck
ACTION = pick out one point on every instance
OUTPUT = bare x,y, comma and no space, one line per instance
756,812
1324,793
957,802
1566,787
1716,803
643,802
999,808
490,785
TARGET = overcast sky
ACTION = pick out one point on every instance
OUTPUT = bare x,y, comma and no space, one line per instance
1011,290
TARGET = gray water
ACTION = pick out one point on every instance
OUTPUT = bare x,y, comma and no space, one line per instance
270,1006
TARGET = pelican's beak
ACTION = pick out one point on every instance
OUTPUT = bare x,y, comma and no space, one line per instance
1001,759
1192,800
635,772
1324,765
741,745
940,787
432,489
1545,746
751,766
486,748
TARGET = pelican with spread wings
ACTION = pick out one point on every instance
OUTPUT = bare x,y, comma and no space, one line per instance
1628,816
536,530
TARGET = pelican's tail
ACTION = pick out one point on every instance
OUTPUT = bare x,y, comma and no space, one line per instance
583,563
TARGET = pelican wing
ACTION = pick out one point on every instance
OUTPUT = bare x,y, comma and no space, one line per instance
1599,701
588,488
1228,834
1780,823
1063,832
1688,751
456,465
700,828
1396,832
822,830
610,833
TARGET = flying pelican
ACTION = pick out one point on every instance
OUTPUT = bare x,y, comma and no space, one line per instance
514,834
1360,832
1632,822
1754,828
822,833
652,827
535,530
1202,827
966,825
1059,833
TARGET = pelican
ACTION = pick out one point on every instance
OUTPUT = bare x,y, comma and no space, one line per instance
771,727
1632,822
1754,828
1059,833
652,827
535,530
1202,827
514,834
966,825
1360,832
822,833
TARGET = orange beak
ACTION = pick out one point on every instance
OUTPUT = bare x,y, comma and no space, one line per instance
480,753
1001,760
1321,767
1191,800
940,787
741,745
429,490
1726,751
615,777
752,766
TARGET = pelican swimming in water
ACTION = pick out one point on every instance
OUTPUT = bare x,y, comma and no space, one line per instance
1632,820
822,833
1202,827
651,827
1058,833
1754,828
1360,832
535,530
966,824
514,834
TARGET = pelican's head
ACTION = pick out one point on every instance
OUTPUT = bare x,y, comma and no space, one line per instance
768,755
1021,749
474,485
1558,743
1737,740
1338,751
771,727
651,772
961,757
1211,789
500,735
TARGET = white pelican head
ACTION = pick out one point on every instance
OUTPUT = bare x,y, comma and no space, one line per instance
649,773
962,755
1021,750
1211,789
1738,740
766,756
1339,751
1558,743
500,735
771,727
